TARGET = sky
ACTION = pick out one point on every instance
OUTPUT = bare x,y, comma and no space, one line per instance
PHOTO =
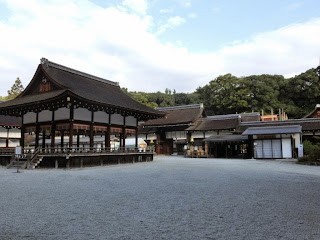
157,44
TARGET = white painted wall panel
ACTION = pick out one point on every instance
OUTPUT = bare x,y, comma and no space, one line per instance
82,114
131,121
286,148
117,119
13,143
2,143
14,133
101,117
29,117
45,116
3,132
62,114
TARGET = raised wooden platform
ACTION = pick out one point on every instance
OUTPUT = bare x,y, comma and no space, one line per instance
76,158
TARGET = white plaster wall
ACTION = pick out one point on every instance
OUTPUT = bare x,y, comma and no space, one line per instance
2,143
82,114
45,116
176,135
14,133
131,121
62,114
150,136
3,132
101,117
117,119
29,117
197,135
13,143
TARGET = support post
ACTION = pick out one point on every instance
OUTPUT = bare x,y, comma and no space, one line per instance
43,139
91,130
53,135
71,127
78,140
37,132
136,145
22,133
62,139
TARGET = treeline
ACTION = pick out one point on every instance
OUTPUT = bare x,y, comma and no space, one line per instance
230,94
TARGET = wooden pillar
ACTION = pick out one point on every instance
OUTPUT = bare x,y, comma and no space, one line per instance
43,139
53,131
124,132
107,137
78,140
91,136
107,143
71,135
22,133
53,135
71,127
136,145
62,139
7,139
37,131
137,134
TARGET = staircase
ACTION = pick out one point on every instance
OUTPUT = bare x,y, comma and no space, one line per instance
35,162
22,162
18,164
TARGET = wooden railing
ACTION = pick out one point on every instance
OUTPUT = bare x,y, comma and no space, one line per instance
59,150
7,151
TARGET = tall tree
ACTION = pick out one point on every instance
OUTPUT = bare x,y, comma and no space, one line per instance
15,90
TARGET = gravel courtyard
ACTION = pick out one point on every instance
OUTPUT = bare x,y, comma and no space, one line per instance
170,198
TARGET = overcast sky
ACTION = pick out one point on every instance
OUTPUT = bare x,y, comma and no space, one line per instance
157,44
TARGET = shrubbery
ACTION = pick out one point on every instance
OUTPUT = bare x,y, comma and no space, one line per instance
311,152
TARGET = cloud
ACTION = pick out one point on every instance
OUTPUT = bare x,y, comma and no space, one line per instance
120,45
186,3
166,10
138,6
171,23
192,15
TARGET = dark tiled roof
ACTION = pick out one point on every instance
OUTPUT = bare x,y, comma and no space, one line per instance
180,115
314,112
85,86
10,121
272,130
218,122
29,99
309,124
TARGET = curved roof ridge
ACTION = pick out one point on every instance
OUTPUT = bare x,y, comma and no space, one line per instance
48,63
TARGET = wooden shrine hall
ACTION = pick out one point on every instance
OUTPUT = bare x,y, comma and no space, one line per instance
61,102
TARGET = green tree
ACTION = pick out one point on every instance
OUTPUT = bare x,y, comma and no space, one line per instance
15,90
226,94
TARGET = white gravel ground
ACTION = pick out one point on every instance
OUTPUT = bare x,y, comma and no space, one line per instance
170,198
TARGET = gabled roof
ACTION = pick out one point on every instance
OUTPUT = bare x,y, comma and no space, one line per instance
223,122
81,85
308,124
315,113
217,122
178,115
273,130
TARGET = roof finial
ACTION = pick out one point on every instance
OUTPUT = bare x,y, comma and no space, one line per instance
43,60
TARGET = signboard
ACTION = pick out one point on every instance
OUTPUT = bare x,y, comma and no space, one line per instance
300,151
18,150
